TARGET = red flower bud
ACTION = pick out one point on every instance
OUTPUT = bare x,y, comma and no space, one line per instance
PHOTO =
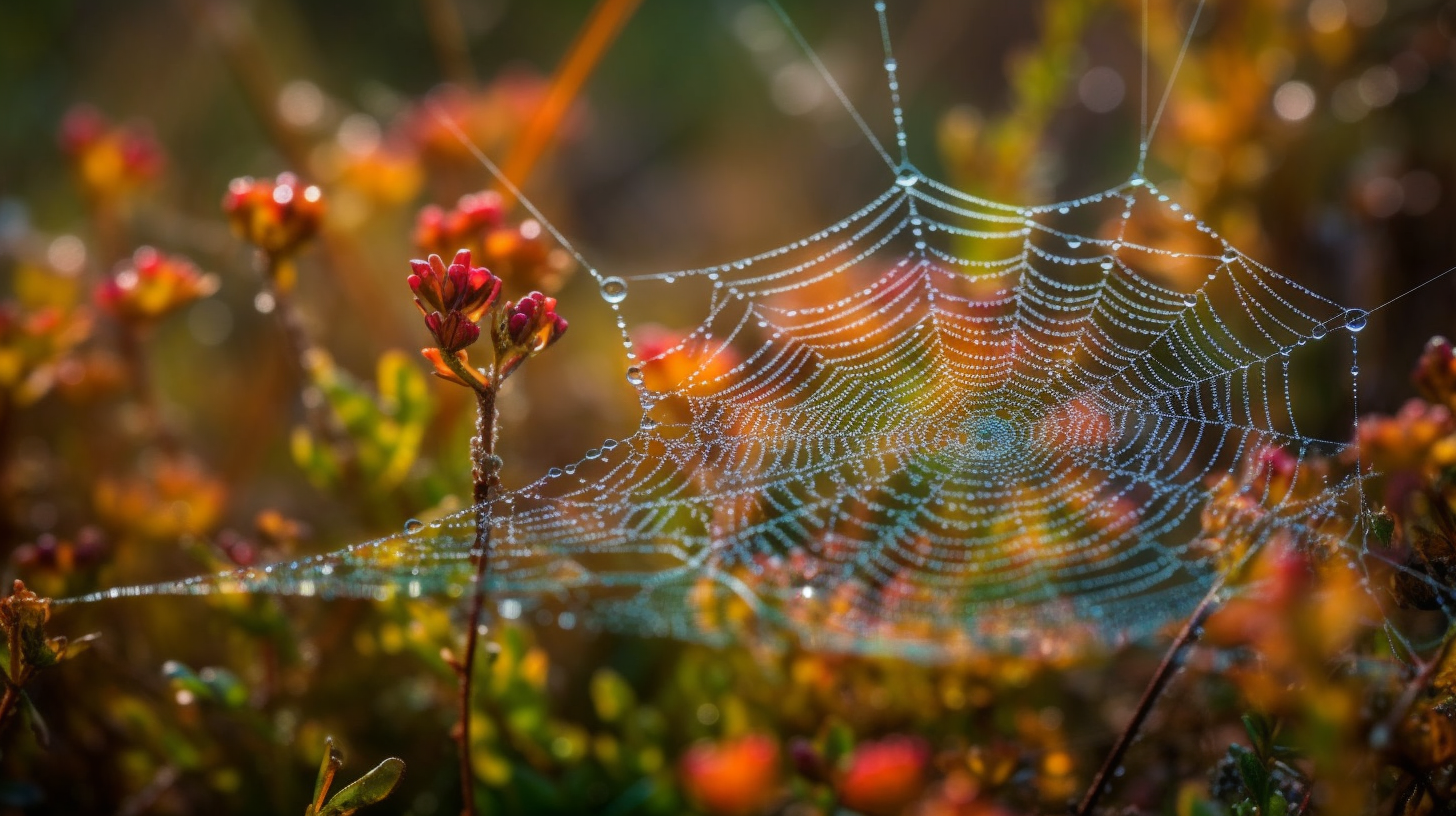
524,328
456,288
452,332
883,777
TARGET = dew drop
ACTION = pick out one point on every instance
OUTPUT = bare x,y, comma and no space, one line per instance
1318,332
609,444
634,375
554,473
594,453
413,526
614,290
1355,319
908,180
891,65
1073,244
571,469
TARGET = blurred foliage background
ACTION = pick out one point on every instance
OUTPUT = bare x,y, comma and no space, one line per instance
161,417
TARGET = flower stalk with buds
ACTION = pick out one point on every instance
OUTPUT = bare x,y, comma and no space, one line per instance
279,217
454,298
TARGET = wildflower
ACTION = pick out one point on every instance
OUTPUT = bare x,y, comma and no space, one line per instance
524,328
109,160
471,291
276,215
61,555
733,778
1435,373
153,285
437,229
171,499
33,343
881,778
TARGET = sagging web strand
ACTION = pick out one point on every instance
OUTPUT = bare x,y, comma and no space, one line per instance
941,423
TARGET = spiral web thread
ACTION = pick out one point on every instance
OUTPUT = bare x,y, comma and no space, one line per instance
940,424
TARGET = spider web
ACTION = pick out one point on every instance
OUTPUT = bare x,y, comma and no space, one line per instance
939,424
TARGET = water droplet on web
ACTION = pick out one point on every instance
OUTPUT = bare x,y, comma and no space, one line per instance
614,290
891,65
1229,257
649,422
907,180
1355,319
1073,244
1318,332
594,453
554,473
413,526
634,375
1064,210
1354,369
1190,300
570,469
609,444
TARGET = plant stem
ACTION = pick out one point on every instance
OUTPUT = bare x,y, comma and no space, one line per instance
306,355
447,34
1172,660
484,473
133,351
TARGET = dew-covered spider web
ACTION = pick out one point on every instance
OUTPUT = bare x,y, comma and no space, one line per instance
939,424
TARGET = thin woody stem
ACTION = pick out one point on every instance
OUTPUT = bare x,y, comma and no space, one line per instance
305,354
485,475
1172,659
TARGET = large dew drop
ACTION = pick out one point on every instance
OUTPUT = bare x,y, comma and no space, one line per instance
1355,319
614,290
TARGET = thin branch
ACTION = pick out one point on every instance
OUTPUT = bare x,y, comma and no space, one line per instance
485,475
1172,660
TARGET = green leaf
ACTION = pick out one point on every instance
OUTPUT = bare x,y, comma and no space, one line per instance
838,742
1277,805
38,725
367,790
1255,776
333,761
611,695
225,686
1382,526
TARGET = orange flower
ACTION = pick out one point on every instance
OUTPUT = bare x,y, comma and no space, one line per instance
109,160
276,215
883,777
733,778
152,285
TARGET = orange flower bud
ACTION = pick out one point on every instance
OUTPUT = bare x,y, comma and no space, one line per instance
276,215
734,778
